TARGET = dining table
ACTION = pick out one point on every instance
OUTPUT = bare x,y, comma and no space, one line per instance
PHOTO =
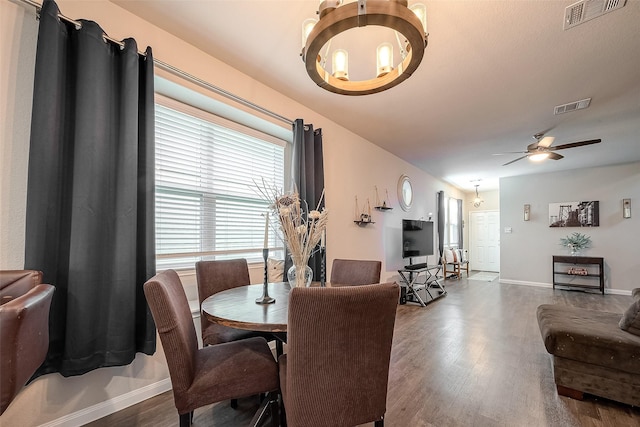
237,308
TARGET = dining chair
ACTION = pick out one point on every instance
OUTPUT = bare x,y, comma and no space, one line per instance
214,277
336,369
350,272
214,373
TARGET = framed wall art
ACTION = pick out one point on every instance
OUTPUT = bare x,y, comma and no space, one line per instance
574,214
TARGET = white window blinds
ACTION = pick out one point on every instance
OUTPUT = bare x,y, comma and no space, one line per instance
207,204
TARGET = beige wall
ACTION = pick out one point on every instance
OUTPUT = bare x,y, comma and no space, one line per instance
352,167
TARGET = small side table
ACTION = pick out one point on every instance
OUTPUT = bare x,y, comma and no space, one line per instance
567,274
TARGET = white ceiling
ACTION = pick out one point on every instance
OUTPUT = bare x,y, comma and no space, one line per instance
492,73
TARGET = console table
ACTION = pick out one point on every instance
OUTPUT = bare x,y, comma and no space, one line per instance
409,279
578,272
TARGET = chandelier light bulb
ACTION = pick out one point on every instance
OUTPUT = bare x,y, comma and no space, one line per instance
385,59
340,64
307,26
421,12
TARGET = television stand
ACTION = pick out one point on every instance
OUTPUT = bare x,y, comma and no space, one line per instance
430,282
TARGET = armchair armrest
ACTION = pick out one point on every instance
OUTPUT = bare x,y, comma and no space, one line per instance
24,333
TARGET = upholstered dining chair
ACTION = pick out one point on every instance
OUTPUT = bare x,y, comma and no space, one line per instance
212,374
214,277
350,272
336,369
24,329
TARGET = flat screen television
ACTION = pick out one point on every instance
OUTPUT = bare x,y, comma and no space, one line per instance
417,238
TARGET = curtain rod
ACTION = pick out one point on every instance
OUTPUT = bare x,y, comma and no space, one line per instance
175,71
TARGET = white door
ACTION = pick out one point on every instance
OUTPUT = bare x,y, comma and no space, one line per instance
484,245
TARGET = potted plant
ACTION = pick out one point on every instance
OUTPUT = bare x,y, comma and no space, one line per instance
576,242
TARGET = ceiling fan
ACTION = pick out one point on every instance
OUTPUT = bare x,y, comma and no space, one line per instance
542,149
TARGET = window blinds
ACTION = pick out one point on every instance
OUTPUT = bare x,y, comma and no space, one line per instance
207,203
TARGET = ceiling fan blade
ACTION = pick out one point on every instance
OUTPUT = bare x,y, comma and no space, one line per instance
532,147
512,161
576,144
509,152
555,156
546,141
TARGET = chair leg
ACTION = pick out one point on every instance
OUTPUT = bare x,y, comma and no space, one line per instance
234,403
268,405
275,413
379,423
185,419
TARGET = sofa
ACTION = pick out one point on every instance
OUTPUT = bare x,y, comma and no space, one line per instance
24,329
594,352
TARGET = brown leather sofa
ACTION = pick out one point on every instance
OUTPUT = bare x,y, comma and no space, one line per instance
24,329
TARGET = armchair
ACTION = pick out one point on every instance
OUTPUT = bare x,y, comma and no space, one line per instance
24,329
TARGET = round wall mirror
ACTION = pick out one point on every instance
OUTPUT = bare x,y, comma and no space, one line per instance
405,193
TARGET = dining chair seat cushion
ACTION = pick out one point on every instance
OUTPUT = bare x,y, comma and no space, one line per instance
215,333
228,371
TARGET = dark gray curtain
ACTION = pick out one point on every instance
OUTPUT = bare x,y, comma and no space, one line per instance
307,170
90,196
441,223
460,225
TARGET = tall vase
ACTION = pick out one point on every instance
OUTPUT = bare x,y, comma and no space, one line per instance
300,280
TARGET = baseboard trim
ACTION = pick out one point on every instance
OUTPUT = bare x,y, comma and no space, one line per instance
525,283
550,286
118,403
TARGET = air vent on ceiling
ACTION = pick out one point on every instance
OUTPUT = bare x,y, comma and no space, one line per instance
585,10
572,106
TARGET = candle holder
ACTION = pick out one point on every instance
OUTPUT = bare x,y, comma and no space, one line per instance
265,298
323,275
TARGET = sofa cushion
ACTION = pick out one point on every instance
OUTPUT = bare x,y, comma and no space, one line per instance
630,321
588,336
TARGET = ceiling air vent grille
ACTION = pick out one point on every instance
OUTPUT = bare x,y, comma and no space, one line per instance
572,106
585,10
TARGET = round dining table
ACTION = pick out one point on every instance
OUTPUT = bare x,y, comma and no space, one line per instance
237,308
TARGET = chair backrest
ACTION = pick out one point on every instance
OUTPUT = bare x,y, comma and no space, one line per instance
172,315
216,276
355,272
338,350
24,329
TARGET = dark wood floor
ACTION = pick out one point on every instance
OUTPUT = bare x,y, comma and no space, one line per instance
472,358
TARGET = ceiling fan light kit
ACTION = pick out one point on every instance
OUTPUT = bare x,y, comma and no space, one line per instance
336,17
542,149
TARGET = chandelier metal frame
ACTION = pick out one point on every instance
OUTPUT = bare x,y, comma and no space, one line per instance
391,14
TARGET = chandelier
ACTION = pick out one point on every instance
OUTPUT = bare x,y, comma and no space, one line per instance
335,17
477,201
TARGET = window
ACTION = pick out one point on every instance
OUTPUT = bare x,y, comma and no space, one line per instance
207,203
452,223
